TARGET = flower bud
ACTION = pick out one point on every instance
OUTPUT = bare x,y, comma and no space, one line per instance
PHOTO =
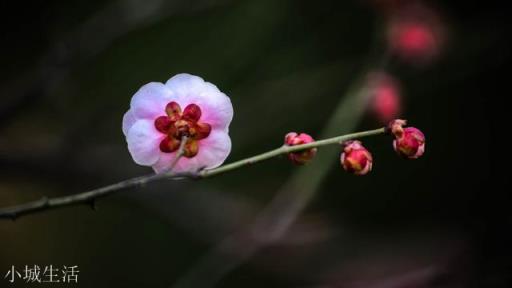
355,158
299,157
409,142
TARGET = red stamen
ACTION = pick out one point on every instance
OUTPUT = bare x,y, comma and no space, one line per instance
162,124
191,148
173,110
169,144
192,113
177,124
202,130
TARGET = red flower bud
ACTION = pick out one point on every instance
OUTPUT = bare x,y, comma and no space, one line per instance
409,142
300,157
355,158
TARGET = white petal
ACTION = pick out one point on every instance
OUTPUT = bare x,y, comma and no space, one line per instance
216,107
150,101
128,121
164,162
144,142
213,151
184,84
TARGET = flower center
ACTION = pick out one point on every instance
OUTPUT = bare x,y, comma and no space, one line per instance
177,124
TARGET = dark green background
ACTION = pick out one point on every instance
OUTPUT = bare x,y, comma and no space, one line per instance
69,69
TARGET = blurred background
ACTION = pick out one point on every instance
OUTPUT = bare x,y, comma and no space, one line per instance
69,70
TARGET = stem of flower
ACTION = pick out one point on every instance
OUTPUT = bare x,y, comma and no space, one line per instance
91,196
288,149
179,154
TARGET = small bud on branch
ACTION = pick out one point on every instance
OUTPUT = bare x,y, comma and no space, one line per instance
15,212
301,157
409,142
356,158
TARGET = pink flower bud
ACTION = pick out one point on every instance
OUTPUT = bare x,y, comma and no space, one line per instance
409,142
355,158
300,157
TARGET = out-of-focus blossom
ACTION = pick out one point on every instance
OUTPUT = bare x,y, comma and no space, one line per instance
161,114
415,34
409,142
300,157
385,97
355,158
413,40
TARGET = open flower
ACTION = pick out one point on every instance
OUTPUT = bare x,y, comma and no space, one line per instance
161,114
300,157
355,158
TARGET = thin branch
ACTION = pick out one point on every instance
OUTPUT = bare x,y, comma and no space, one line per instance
89,197
288,202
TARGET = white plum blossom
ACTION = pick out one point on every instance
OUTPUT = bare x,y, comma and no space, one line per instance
161,114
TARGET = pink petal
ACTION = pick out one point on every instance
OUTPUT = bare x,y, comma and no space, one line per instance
216,107
144,142
164,162
213,151
150,101
128,121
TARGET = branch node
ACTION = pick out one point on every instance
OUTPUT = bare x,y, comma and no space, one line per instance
44,202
